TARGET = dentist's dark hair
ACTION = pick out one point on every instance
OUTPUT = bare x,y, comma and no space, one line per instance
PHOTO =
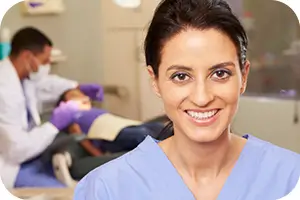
174,16
29,38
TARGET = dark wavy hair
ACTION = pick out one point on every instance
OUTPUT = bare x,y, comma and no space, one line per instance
62,97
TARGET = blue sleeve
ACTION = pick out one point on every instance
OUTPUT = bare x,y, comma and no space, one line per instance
91,188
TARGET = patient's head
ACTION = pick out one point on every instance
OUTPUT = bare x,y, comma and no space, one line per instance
78,96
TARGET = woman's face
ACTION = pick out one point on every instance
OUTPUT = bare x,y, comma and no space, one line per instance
81,99
200,82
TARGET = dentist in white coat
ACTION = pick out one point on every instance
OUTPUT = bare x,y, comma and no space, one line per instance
22,135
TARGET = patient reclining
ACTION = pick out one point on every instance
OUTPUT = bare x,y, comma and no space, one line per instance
109,133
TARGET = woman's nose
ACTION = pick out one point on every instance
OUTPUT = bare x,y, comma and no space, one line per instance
201,95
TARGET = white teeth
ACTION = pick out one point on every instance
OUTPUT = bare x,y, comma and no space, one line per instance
202,115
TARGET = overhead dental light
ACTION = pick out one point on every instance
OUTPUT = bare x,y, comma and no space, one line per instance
128,3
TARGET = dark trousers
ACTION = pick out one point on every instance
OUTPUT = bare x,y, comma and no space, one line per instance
130,137
82,161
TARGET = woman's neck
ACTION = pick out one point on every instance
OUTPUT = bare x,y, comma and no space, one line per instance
203,161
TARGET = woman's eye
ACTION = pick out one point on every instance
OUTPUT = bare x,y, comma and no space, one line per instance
221,74
180,77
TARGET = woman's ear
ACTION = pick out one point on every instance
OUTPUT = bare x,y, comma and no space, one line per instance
154,80
245,74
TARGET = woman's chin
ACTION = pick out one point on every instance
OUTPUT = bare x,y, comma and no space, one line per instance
84,107
204,136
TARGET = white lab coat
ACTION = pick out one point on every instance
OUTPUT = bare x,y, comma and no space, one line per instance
17,144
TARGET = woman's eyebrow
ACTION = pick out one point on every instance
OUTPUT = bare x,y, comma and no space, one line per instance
187,68
222,65
180,67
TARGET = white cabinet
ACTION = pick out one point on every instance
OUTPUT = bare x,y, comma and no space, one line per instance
269,119
118,17
122,58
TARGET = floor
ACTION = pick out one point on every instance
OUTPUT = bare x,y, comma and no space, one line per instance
43,194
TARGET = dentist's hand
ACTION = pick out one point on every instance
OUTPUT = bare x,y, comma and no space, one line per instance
64,114
94,91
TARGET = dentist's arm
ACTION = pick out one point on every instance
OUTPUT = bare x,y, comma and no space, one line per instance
19,146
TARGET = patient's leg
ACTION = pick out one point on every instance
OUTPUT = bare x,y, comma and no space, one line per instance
130,137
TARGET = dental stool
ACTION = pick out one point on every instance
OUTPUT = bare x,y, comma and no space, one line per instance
61,163
71,162
59,153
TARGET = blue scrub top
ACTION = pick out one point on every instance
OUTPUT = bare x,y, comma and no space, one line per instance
263,172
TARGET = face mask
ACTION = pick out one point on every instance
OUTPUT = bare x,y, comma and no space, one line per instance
42,72
31,64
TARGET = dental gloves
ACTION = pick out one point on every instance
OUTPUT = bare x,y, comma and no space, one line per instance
64,114
94,91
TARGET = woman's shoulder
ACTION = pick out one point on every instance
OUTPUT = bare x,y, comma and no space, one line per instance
99,183
113,177
273,162
267,171
270,154
112,169
273,152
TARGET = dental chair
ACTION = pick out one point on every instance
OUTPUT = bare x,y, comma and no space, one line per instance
69,158
70,161
61,163
59,154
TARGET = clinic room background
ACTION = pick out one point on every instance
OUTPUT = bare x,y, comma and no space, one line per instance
101,42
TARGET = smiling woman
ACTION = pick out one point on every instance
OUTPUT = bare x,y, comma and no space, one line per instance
200,72
196,56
